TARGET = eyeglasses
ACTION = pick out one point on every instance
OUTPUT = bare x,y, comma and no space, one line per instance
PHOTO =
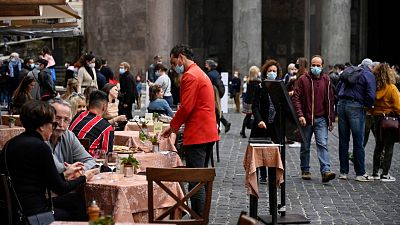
55,125
65,120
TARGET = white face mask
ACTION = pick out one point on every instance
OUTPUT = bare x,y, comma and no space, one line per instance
91,65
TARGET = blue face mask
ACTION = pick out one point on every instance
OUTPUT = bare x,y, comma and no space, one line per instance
32,65
180,69
316,70
271,75
121,70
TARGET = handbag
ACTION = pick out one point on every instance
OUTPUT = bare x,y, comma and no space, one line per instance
44,218
391,124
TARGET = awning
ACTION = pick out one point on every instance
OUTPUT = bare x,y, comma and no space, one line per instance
37,12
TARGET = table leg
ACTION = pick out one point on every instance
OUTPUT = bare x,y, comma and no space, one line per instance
273,205
253,207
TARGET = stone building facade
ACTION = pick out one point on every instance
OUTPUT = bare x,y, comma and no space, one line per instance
237,33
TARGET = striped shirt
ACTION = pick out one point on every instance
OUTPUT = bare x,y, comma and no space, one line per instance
89,125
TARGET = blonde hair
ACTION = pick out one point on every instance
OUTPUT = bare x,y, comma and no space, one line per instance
72,86
253,72
126,65
74,101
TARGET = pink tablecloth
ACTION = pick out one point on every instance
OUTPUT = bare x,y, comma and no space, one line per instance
132,126
131,138
158,160
86,223
126,198
261,156
6,133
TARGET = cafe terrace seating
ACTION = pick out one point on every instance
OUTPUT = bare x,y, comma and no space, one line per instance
163,176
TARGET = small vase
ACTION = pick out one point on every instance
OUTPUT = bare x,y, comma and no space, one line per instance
11,124
128,170
156,148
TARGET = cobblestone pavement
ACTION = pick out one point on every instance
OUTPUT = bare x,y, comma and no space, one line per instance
339,202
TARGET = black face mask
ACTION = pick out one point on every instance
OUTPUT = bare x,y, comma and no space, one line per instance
297,66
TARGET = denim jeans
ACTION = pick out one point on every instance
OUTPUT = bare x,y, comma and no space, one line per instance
320,130
197,156
351,119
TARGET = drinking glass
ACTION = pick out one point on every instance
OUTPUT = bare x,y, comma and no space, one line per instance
100,156
112,162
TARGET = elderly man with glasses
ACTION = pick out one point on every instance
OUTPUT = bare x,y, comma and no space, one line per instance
65,146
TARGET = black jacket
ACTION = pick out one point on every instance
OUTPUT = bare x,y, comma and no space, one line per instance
32,169
128,92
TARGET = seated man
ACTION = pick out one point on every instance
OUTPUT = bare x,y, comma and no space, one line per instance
90,124
65,145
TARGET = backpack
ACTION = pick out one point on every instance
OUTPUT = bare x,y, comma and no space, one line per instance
220,87
351,74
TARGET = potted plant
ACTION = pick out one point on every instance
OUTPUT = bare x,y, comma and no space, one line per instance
131,164
11,121
156,117
104,220
154,142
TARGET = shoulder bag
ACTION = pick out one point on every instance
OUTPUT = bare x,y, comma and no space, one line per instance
44,218
391,124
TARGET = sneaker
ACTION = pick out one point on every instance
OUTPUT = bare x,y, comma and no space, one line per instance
306,175
343,176
376,176
295,145
263,180
364,178
387,178
227,127
327,176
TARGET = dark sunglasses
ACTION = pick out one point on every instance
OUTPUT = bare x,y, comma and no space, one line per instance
55,125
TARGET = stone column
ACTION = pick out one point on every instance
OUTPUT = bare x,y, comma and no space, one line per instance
336,31
246,49
160,21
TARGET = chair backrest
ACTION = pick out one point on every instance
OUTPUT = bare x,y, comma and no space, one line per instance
246,220
204,177
6,214
85,142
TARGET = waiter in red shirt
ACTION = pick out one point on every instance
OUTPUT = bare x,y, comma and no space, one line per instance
197,112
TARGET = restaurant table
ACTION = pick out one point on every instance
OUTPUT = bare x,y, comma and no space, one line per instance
86,223
5,120
164,159
131,139
6,133
125,199
133,126
257,156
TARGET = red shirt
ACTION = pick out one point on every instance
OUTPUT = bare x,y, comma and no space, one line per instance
197,110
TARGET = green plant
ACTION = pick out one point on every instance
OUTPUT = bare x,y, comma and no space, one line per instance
153,140
104,220
12,119
156,116
142,136
130,160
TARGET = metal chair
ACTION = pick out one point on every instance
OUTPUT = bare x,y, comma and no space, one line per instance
204,177
6,213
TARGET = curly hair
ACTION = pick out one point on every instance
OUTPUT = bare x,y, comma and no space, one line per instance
268,63
384,75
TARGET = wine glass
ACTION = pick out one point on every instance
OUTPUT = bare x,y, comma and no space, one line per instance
99,156
112,161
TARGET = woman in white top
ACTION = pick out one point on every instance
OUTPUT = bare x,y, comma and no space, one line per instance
164,81
86,73
118,121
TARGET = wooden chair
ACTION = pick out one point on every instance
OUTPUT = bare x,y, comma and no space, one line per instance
6,214
85,142
246,220
205,177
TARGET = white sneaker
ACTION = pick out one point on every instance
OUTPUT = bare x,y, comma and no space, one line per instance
376,177
343,176
295,145
364,178
387,178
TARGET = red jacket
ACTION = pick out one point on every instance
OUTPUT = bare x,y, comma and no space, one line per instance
303,98
197,110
